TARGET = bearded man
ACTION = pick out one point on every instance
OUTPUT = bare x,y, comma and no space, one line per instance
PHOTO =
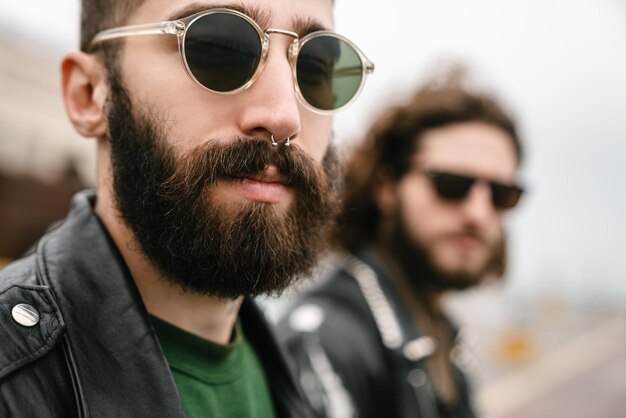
425,197
215,184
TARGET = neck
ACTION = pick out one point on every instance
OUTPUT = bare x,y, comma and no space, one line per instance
205,316
208,317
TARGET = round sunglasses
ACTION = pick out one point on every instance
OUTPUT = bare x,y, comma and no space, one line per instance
224,51
456,187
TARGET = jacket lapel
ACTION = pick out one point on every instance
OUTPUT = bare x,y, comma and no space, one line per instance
117,361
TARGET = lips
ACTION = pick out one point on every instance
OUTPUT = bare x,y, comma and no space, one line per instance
467,242
268,186
269,175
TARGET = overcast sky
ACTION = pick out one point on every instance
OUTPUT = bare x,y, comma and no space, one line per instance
560,65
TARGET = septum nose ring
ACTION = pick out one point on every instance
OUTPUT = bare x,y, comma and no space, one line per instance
275,144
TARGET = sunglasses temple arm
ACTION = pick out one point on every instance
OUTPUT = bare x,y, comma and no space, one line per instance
161,28
351,71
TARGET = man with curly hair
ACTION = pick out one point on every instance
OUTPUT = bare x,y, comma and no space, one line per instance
425,197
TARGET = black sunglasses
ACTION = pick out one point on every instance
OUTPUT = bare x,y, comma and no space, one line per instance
224,51
455,187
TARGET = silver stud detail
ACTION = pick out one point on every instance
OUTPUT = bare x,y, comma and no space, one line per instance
306,318
25,315
419,348
417,378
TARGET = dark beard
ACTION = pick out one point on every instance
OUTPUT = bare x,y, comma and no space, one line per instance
420,269
203,248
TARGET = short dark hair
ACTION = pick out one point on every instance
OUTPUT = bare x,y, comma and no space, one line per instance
394,138
98,15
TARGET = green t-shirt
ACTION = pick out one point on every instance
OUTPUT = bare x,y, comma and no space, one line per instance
215,380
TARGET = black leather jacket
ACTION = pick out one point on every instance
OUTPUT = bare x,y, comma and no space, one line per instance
93,352
357,351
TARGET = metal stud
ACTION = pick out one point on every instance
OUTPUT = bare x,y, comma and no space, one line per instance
25,315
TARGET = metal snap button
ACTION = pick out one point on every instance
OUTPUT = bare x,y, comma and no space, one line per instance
417,378
25,315
420,348
306,318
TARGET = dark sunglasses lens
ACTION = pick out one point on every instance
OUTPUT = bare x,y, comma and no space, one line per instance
452,186
505,196
222,50
329,72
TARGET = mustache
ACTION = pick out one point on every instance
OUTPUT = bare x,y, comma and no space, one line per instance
241,157
468,231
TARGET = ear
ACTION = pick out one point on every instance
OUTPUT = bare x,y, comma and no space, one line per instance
84,93
385,196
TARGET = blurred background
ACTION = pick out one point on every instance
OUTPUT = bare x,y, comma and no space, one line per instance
548,342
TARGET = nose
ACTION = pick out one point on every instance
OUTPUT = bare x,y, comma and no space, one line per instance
477,207
271,107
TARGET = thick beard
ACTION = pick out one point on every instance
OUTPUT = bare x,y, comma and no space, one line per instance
206,249
423,272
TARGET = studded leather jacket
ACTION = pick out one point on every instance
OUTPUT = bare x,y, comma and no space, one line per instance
76,341
359,354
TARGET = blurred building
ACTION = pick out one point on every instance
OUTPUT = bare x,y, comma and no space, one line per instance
42,160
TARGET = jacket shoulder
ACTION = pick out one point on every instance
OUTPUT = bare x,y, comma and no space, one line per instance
334,314
19,271
336,350
31,329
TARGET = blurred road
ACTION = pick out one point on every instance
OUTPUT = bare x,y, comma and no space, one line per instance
548,359
584,378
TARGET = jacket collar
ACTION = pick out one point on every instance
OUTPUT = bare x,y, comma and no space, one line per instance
385,272
117,360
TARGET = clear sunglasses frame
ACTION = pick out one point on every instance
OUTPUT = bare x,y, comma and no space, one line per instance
179,29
